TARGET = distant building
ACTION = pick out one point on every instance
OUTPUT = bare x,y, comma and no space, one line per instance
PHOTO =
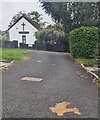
4,35
23,31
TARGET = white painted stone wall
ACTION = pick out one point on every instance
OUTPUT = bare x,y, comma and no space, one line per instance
14,32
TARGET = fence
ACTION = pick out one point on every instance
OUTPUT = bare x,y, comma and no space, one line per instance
8,44
49,47
27,46
46,46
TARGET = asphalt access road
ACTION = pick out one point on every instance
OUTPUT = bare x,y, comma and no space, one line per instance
63,80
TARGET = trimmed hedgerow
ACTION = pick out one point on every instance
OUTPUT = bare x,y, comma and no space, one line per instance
82,41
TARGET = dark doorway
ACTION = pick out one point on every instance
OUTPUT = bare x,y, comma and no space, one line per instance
24,39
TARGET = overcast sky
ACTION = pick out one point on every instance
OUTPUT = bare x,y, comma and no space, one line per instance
9,9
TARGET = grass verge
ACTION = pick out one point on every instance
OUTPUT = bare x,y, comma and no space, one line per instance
12,54
85,61
88,62
98,81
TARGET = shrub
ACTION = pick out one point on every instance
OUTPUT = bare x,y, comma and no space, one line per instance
97,55
82,41
51,36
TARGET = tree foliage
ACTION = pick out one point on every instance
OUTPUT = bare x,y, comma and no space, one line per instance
73,14
34,16
51,35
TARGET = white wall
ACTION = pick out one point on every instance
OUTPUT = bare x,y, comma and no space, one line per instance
14,32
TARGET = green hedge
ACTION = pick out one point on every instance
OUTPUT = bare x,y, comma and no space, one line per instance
97,55
82,41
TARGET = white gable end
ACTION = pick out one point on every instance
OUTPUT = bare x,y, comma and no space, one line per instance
23,31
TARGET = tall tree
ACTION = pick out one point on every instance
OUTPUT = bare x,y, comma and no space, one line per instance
73,14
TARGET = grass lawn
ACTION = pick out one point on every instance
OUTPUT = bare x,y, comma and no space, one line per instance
85,61
12,54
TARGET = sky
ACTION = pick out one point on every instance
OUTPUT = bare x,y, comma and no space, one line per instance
9,9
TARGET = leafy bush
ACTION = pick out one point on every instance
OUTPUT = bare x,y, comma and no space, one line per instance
82,41
97,55
51,36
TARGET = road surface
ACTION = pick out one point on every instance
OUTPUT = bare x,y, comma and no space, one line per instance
63,81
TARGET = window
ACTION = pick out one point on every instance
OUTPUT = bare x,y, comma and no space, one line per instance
24,39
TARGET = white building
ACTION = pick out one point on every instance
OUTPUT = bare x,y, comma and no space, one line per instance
23,31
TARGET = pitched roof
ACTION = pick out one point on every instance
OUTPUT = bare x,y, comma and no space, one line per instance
29,20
